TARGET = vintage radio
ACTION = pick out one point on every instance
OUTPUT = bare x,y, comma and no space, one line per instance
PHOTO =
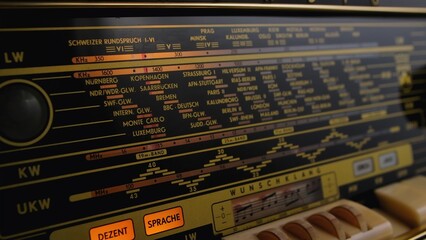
199,121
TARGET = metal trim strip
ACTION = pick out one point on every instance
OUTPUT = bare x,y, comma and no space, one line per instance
182,5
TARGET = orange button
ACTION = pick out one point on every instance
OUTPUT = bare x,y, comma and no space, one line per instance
122,230
163,221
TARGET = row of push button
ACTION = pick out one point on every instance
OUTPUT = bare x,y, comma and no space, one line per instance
154,223
401,215
340,220
366,166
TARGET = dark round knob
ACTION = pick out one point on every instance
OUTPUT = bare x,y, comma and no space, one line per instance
24,112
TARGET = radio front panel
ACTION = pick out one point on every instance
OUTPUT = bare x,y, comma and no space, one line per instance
145,127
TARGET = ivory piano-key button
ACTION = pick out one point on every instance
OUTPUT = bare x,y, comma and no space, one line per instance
350,215
399,227
272,234
418,182
405,201
301,229
377,227
328,223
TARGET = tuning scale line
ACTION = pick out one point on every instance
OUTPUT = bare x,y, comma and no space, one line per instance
223,166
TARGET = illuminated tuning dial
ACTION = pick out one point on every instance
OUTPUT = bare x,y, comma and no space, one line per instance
26,112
